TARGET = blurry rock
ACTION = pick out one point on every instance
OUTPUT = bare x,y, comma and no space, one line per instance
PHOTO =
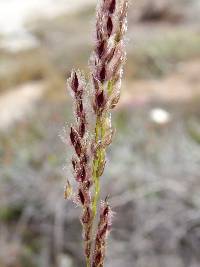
159,10
124,226
162,238
19,42
190,242
16,104
10,254
193,128
12,21
65,261
162,10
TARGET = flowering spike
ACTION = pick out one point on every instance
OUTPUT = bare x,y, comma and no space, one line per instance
89,157
103,229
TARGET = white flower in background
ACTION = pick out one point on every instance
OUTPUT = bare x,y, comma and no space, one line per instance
160,116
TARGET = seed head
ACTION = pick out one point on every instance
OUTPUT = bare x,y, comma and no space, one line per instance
89,157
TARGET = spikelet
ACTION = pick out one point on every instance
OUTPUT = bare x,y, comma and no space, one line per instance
68,191
102,233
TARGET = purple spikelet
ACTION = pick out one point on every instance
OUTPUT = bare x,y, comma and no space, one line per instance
102,233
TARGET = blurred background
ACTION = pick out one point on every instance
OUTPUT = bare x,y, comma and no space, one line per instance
153,169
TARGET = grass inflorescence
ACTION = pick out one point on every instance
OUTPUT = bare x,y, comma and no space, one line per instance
90,140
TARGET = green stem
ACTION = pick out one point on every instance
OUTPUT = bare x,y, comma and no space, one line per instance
100,154
98,131
88,262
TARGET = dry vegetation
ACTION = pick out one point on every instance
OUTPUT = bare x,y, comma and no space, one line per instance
154,175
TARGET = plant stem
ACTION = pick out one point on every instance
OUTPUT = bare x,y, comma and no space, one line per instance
100,132
97,159
88,262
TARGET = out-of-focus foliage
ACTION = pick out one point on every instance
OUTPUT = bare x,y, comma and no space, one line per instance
153,166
